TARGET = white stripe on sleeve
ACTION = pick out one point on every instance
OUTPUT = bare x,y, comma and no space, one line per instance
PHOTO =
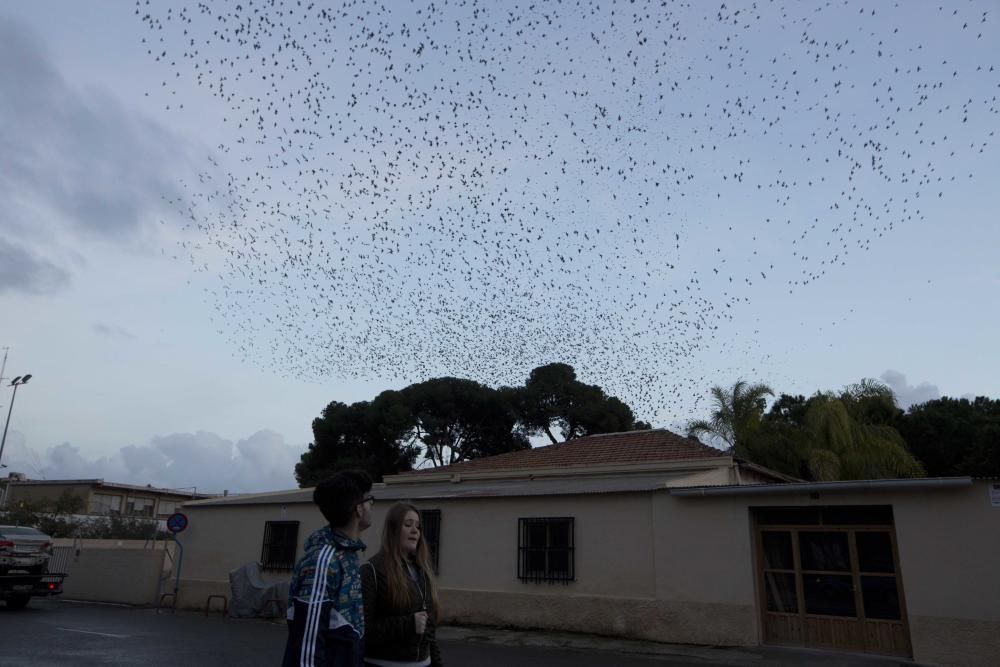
316,599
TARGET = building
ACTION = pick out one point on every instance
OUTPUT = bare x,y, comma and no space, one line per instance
95,496
651,535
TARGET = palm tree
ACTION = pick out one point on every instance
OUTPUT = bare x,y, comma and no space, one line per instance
851,438
841,436
735,416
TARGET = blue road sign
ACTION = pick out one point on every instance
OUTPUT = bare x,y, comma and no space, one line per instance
177,522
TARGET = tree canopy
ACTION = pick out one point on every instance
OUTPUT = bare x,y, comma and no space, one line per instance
552,397
955,436
374,436
858,432
832,435
446,420
457,420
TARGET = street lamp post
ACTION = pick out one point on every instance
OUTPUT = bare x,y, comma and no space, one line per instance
15,383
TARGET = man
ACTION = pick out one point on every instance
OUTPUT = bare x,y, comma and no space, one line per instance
326,620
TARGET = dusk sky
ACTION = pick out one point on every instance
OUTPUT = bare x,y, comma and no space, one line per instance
803,194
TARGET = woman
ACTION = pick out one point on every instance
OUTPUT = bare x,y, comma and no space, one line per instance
401,598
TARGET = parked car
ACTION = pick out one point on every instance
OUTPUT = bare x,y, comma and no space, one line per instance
24,549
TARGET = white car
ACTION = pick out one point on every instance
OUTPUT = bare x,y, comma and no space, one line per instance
23,548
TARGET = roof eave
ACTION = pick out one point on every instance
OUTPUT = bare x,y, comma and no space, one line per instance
774,474
121,486
810,487
576,470
265,498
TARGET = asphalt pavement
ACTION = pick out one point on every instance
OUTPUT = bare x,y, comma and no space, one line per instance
50,633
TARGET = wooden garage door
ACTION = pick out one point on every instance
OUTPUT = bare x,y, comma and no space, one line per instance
829,578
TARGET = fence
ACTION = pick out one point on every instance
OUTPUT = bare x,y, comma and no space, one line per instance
59,561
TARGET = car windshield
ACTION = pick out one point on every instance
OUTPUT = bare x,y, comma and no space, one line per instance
10,531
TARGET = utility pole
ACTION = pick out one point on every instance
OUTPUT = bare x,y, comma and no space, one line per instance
17,382
3,365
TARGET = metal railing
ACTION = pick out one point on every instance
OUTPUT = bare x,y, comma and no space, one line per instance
60,558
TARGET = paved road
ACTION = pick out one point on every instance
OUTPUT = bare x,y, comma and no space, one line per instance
56,633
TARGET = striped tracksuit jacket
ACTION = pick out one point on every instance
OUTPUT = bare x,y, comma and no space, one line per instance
326,621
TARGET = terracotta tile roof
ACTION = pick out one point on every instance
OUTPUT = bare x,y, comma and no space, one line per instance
609,448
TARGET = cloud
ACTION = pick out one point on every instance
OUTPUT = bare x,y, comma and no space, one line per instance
74,160
113,331
907,394
260,462
21,270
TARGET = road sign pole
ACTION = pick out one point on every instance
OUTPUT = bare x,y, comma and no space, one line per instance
180,561
176,523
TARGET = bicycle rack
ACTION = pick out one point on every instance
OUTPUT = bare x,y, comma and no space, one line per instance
173,607
225,603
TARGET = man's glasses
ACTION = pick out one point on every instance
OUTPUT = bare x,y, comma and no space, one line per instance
366,499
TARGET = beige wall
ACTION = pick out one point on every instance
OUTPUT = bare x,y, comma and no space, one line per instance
481,531
221,538
948,549
702,588
126,576
948,540
473,532
949,545
704,574
658,566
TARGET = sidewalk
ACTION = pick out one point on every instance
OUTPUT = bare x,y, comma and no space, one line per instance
750,656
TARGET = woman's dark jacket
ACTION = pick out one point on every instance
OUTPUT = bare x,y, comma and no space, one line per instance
390,632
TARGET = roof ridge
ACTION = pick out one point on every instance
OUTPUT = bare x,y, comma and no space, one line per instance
635,446
635,430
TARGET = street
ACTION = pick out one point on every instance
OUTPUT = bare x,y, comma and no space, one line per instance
55,633
51,633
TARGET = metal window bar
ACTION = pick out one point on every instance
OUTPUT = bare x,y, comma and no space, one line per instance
546,550
280,543
430,524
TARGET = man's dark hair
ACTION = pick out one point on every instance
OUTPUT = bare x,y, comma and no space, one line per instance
337,496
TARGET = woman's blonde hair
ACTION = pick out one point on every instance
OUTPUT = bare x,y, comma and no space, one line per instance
398,581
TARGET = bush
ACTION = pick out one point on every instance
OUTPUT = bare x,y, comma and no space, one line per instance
53,524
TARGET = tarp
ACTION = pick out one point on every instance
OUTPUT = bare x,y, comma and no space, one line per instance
250,594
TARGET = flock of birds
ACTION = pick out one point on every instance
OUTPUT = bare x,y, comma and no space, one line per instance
416,189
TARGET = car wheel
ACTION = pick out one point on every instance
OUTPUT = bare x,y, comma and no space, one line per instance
18,601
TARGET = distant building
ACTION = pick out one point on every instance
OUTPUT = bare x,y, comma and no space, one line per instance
97,497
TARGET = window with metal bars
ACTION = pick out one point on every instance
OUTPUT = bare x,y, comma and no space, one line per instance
430,526
280,542
546,550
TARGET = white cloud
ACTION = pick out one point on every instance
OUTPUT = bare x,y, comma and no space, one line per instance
260,462
908,394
